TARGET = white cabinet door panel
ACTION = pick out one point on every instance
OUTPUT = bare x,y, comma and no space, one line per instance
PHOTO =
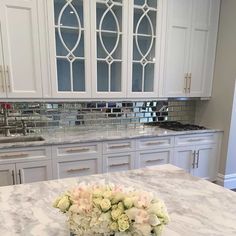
184,158
67,167
69,42
205,162
108,48
21,47
118,162
203,46
30,172
154,157
7,175
177,50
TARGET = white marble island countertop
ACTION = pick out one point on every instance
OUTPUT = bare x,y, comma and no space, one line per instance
196,207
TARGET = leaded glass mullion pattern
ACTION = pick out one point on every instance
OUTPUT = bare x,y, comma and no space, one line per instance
109,44
70,33
144,39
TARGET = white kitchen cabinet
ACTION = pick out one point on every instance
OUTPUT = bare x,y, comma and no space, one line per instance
119,155
25,172
20,71
153,157
109,30
69,44
7,174
192,27
154,151
206,162
184,158
29,172
200,160
144,48
119,162
25,165
119,146
73,167
105,49
71,160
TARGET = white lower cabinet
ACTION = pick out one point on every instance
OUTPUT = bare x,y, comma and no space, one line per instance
7,174
154,157
200,161
118,162
198,154
70,167
25,165
25,172
77,160
29,172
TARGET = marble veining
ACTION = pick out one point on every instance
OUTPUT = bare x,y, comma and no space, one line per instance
196,207
113,133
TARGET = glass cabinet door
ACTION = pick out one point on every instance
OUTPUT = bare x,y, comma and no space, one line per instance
144,48
109,55
71,37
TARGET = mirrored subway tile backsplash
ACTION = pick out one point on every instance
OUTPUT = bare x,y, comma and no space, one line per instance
83,114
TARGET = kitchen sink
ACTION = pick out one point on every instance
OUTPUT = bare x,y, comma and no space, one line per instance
21,139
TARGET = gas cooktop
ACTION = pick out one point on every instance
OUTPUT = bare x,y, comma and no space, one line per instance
176,126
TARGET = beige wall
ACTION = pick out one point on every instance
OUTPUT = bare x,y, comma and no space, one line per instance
217,112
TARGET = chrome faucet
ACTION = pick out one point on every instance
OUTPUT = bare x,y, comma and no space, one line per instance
5,122
24,127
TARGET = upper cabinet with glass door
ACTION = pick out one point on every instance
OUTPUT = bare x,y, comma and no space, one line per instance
109,48
69,30
144,48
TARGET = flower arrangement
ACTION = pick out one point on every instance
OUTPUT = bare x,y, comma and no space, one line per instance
112,210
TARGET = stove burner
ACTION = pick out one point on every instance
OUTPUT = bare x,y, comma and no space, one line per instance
176,126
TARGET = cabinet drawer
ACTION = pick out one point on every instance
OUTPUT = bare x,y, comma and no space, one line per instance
155,157
118,162
118,146
66,169
197,139
76,150
23,154
153,143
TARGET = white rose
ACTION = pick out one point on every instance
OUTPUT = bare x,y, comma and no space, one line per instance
116,213
64,204
153,220
105,204
128,202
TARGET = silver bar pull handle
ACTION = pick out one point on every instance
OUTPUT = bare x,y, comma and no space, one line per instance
156,143
8,81
120,146
185,82
13,177
2,78
190,82
77,150
17,155
120,164
150,161
194,159
19,173
79,169
197,165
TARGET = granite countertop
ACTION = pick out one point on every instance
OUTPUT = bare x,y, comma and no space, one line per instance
70,136
196,207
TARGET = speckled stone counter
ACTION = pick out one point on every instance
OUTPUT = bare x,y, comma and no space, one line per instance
196,207
70,136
